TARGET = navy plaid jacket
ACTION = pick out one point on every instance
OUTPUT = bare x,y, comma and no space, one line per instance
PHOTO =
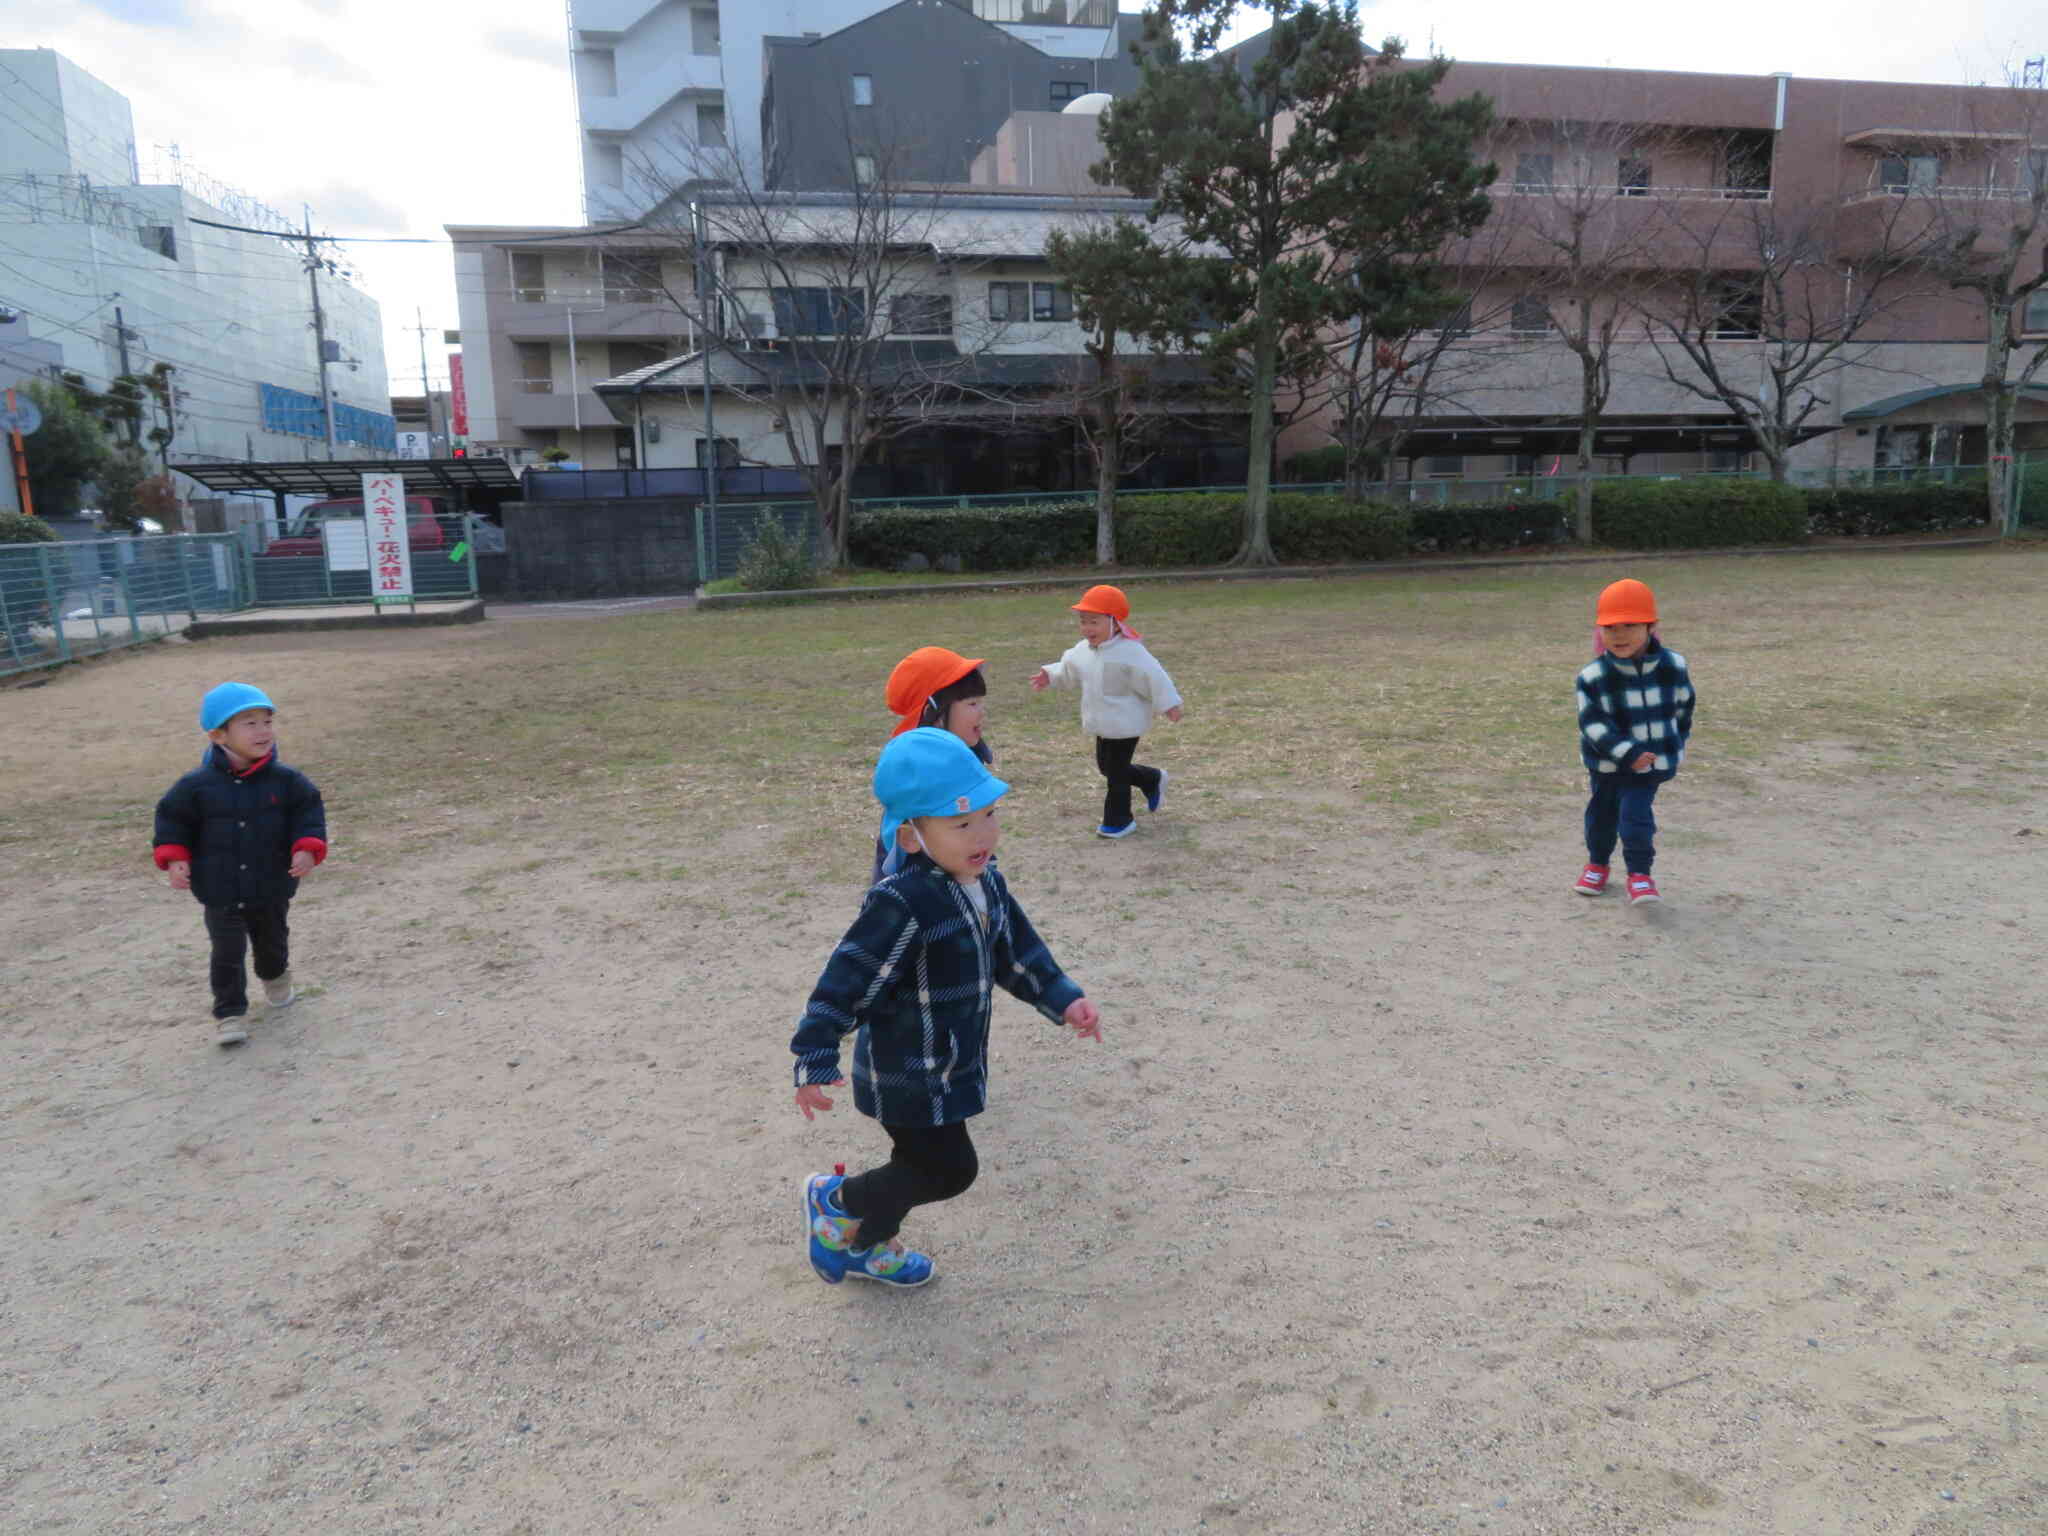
1627,708
913,981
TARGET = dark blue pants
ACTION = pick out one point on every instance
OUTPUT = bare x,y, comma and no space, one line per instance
235,932
1622,805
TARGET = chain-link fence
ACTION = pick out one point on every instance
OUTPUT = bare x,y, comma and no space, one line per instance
61,601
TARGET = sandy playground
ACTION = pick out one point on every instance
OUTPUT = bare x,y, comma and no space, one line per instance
1407,1193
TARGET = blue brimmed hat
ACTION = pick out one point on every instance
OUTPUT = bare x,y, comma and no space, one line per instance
930,772
222,704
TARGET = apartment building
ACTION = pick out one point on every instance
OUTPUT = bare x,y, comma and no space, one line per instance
548,313
972,338
1638,182
113,274
668,89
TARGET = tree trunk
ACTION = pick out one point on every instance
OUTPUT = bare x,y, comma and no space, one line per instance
1257,547
1776,459
1108,454
2000,402
1589,425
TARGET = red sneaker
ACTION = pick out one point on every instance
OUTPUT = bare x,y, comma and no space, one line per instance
1592,880
1642,888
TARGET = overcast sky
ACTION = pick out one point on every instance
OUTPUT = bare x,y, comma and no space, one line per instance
395,117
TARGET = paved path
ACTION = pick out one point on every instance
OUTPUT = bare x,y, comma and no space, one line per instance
594,608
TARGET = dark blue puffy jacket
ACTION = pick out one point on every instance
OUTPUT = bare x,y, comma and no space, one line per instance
240,830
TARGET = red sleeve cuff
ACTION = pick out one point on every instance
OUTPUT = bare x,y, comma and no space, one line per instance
316,846
168,854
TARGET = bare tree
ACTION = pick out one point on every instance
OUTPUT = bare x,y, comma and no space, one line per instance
1584,230
832,314
1762,309
1986,206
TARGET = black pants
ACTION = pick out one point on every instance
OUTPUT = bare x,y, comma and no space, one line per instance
234,931
926,1163
1113,756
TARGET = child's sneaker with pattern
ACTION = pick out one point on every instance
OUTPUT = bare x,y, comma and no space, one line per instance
829,1228
1642,888
279,992
1592,880
233,1031
1106,830
1158,796
889,1263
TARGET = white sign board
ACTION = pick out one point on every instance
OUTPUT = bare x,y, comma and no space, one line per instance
415,445
390,539
348,546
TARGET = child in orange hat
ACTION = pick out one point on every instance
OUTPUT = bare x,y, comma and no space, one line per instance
1635,715
1122,688
937,687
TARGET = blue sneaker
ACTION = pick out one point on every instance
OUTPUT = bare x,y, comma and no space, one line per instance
1158,796
903,1267
827,1226
1106,830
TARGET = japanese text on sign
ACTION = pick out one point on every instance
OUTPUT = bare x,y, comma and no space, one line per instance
385,520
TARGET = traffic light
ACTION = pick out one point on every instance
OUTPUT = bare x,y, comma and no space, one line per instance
460,451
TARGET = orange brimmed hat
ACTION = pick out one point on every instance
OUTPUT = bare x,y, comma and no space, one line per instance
1626,602
917,677
1105,600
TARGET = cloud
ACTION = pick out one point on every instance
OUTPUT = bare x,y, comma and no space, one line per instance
144,13
315,61
351,207
531,47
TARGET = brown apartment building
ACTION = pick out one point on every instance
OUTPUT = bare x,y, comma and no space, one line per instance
1734,207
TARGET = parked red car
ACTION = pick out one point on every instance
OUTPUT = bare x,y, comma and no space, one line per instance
302,536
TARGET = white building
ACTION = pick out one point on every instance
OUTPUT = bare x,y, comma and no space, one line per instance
120,276
655,77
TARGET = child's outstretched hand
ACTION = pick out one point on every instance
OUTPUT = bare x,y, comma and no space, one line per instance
1173,714
813,1096
302,864
180,871
1644,763
1041,680
1084,1019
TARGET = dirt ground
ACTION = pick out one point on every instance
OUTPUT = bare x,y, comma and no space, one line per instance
1407,1193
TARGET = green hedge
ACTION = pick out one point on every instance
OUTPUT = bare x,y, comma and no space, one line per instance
1307,528
1316,466
19,528
1696,514
1483,526
985,538
1860,511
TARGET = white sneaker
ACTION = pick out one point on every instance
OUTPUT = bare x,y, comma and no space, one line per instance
230,1031
278,991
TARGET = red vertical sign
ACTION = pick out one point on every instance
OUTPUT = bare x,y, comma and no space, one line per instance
458,396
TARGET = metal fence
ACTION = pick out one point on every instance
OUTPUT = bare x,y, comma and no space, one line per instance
61,601
292,571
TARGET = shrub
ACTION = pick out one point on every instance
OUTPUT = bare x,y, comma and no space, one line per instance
1696,514
19,528
1477,526
1311,529
777,560
1315,466
1860,511
985,538
1177,528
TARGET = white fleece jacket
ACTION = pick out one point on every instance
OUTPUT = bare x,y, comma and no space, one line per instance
1122,685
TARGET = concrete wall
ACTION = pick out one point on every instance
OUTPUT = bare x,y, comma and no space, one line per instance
560,550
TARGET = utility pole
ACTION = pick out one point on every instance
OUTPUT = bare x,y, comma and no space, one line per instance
426,385
319,333
122,335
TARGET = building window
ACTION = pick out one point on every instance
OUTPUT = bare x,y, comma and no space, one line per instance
1530,317
597,72
2034,321
160,238
710,126
1045,13
1738,312
632,277
1909,173
728,453
1442,465
921,314
704,31
1632,176
1009,301
864,170
863,90
1051,301
1746,165
1458,322
536,367
622,447
1064,91
1532,173
1726,461
818,311
529,277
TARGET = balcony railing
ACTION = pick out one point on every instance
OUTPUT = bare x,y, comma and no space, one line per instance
1567,190
1043,13
537,386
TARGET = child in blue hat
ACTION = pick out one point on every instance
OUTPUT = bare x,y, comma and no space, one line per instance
239,832
913,981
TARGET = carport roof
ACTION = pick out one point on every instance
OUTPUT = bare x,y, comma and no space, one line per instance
344,477
1891,405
